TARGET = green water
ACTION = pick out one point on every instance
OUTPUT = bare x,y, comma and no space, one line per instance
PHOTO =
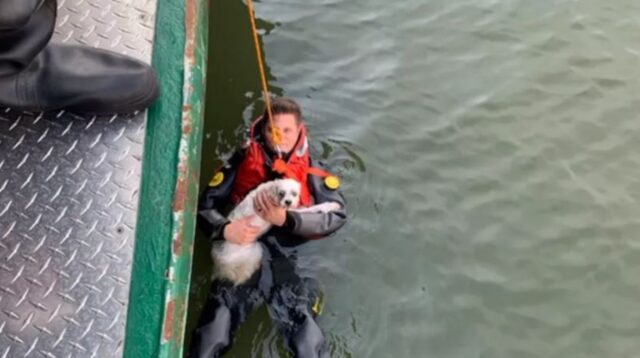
489,153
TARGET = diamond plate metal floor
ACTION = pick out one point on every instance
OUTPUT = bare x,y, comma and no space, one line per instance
68,205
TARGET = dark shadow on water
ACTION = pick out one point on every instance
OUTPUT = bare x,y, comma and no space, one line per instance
233,98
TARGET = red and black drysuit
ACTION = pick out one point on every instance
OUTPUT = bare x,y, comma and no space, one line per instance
290,295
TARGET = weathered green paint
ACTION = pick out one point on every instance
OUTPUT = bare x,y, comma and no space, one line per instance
186,193
155,215
169,188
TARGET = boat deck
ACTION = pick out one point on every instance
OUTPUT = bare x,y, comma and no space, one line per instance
69,192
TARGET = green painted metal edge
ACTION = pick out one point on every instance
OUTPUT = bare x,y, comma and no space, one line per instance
169,189
186,193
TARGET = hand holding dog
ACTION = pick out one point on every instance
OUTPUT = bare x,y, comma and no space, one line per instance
268,209
241,231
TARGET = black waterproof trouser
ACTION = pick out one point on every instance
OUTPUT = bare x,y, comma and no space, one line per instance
293,304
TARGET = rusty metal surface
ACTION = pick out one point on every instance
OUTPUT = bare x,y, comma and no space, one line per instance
188,170
68,205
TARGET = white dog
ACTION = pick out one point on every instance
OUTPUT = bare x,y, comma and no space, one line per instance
237,263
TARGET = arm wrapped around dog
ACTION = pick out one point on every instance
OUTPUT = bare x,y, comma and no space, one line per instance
319,224
215,199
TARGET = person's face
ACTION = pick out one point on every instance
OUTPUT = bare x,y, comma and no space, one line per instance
289,130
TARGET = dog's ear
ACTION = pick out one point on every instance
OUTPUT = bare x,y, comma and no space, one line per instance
275,189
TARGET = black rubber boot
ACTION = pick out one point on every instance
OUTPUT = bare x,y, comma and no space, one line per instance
16,13
19,45
35,76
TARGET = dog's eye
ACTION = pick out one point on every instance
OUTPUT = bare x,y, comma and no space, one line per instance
281,194
294,193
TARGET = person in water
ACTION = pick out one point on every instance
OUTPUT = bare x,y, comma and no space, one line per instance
293,300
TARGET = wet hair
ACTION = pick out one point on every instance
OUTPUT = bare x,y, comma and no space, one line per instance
283,105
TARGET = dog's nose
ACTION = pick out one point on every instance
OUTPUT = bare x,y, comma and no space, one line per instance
287,202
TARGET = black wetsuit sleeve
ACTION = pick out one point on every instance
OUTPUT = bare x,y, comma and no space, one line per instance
214,201
316,225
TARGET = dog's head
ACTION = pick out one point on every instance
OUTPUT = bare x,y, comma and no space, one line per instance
287,192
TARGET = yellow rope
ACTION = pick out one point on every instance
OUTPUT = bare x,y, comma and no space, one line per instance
275,134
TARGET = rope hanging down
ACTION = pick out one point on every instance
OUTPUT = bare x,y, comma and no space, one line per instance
275,134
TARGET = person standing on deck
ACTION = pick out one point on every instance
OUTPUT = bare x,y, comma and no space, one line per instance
293,300
36,75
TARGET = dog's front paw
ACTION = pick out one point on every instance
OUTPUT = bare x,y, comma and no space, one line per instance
335,206
321,208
